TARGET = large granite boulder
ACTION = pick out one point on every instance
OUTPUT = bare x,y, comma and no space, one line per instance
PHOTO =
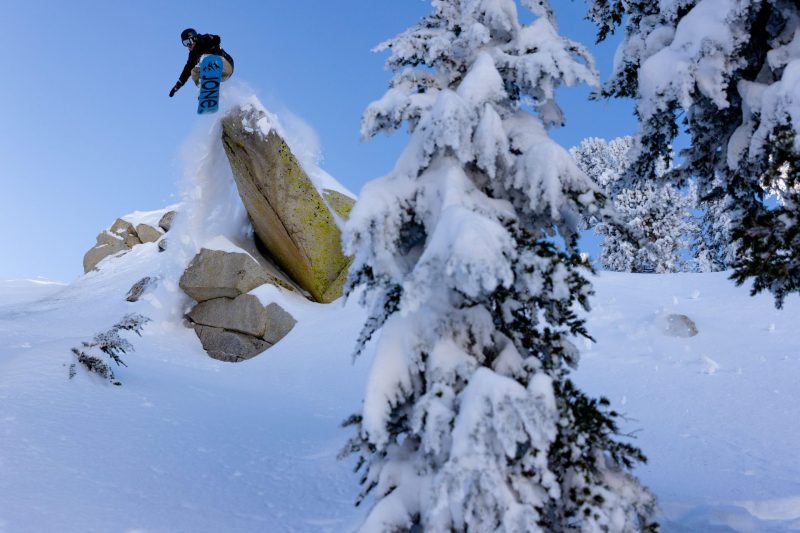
288,214
279,323
217,274
147,233
126,231
231,324
229,346
106,245
244,314
239,328
165,222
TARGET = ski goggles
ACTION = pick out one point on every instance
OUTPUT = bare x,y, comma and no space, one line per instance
187,42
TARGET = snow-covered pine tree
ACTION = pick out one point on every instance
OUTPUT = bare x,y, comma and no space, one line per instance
730,71
656,211
713,245
605,162
661,213
771,237
470,422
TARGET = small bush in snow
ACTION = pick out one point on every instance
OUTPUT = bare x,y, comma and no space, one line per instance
110,344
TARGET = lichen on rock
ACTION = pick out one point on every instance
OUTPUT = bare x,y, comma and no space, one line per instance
289,216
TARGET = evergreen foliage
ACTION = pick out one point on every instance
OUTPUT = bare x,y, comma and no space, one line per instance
713,244
728,71
656,212
470,422
663,215
765,231
111,344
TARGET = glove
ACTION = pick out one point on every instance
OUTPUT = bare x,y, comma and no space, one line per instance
174,90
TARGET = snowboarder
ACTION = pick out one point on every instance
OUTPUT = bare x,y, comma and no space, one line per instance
200,45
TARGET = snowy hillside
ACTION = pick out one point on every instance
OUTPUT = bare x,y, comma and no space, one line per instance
23,290
187,443
191,444
717,414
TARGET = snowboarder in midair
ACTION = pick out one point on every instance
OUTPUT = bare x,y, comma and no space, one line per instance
200,45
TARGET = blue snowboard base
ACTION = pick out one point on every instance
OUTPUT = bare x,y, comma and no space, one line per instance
210,81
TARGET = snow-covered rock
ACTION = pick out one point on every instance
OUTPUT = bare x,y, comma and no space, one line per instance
147,233
231,324
288,213
675,325
219,274
165,222
140,287
106,245
126,232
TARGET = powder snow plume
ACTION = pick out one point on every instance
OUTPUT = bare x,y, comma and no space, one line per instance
211,206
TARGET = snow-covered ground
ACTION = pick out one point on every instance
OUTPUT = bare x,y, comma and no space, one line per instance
187,443
15,291
718,414
190,444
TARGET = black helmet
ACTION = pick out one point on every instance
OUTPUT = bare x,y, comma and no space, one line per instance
188,35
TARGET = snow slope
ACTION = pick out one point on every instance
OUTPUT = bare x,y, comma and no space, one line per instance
16,291
190,444
186,443
717,414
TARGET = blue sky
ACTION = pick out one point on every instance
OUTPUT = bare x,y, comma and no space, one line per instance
88,132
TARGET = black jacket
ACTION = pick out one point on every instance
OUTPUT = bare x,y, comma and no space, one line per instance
204,44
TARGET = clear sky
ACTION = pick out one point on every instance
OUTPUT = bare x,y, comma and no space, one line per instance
88,132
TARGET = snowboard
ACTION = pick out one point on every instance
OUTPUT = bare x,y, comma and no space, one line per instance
210,81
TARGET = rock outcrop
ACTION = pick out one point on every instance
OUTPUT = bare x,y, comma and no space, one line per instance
231,324
229,346
340,203
218,274
166,221
121,237
147,233
107,245
288,214
244,314
126,231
